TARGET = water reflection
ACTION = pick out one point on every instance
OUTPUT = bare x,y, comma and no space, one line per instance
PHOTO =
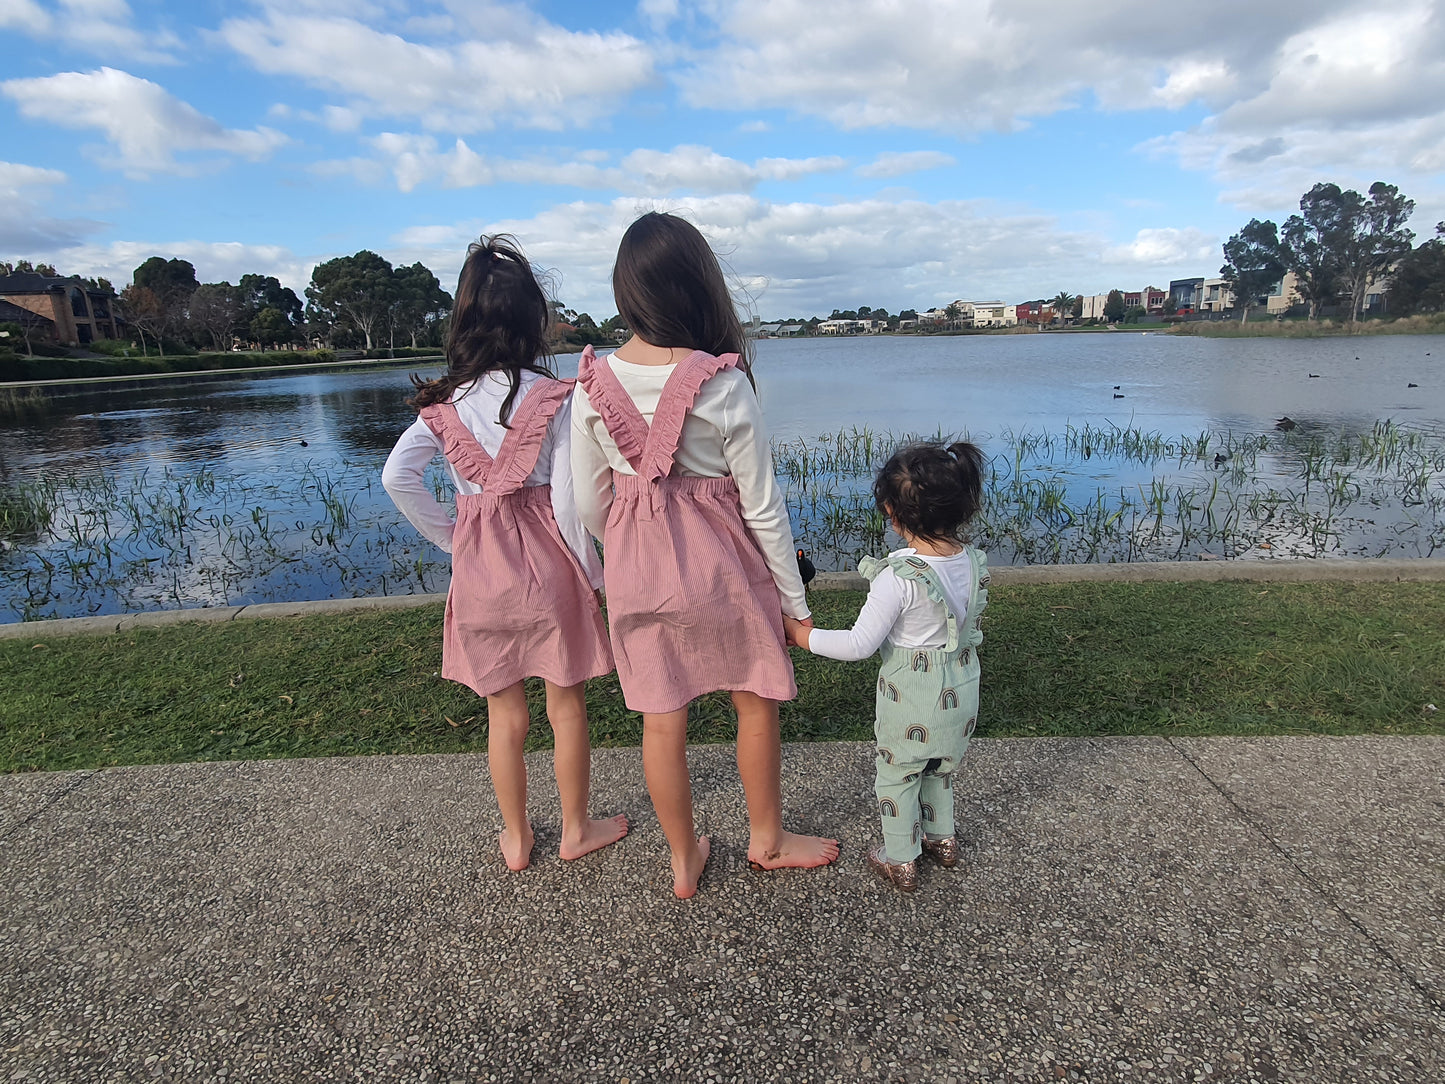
271,451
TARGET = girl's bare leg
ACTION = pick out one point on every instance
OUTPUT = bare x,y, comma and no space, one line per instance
506,737
572,759
760,757
664,762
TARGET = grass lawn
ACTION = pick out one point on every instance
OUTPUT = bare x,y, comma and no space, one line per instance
1068,659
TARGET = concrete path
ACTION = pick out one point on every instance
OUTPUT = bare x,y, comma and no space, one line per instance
1128,909
1374,570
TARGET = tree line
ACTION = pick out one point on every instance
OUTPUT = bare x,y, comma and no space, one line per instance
1339,244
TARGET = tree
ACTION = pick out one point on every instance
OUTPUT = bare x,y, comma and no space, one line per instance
1254,261
266,292
1376,240
1418,283
1063,303
1313,242
357,289
1114,307
1076,310
145,311
171,282
270,327
419,300
1171,307
218,310
954,312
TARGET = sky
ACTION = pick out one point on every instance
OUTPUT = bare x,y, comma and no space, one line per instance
889,153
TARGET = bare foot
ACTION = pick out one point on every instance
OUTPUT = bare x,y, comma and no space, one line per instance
594,836
795,852
684,879
517,852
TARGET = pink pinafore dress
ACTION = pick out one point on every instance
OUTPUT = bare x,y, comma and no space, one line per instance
519,604
691,604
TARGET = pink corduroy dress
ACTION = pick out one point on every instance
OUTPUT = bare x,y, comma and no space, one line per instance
519,604
691,604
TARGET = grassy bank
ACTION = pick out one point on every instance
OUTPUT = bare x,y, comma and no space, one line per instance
1074,659
49,368
1432,324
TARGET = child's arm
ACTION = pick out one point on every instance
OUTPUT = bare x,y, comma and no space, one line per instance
591,473
404,479
750,461
887,599
564,500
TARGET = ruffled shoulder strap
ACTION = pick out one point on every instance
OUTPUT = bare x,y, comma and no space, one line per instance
624,422
978,601
915,568
678,395
517,457
462,449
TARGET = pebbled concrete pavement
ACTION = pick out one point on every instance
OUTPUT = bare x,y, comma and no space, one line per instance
1128,909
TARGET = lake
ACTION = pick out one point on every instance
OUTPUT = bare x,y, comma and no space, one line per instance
236,490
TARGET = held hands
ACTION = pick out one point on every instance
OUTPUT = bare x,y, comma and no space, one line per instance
797,631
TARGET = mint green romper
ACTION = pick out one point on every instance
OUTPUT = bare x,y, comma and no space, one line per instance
927,709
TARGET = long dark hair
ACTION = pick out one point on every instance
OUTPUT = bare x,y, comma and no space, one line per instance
670,289
499,324
930,489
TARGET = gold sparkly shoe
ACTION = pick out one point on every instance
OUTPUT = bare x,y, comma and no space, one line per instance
943,851
902,874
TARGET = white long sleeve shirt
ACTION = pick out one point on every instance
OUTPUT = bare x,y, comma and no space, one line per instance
477,405
722,435
901,612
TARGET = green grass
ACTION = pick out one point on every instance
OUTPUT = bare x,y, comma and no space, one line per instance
1074,659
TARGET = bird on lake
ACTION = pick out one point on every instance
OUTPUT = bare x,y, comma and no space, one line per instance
1117,396
1116,387
1412,385
1220,459
1286,423
305,445
1313,376
806,568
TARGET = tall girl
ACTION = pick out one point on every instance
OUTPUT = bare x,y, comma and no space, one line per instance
674,473
523,599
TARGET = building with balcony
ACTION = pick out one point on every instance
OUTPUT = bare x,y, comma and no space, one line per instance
70,311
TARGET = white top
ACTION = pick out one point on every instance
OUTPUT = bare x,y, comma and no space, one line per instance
901,612
477,405
722,435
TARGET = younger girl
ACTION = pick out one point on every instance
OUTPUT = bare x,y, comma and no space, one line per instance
674,473
523,599
924,611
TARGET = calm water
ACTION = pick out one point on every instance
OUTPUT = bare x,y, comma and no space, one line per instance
322,527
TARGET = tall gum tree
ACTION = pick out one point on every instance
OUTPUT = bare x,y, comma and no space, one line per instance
1254,261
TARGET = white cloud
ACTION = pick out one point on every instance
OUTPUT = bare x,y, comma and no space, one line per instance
898,163
95,26
1166,247
214,260
414,160
145,124
801,258
1352,98
25,227
499,64
965,66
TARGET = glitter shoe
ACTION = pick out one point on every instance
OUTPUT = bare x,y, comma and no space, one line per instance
902,874
943,851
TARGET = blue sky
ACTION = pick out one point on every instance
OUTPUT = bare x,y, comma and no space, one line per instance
859,152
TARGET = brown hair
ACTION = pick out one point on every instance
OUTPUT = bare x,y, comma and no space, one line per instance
499,323
670,289
932,491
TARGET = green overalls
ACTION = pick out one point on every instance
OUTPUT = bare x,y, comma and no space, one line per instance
927,709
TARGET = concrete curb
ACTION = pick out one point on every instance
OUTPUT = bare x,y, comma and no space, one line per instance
1424,570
